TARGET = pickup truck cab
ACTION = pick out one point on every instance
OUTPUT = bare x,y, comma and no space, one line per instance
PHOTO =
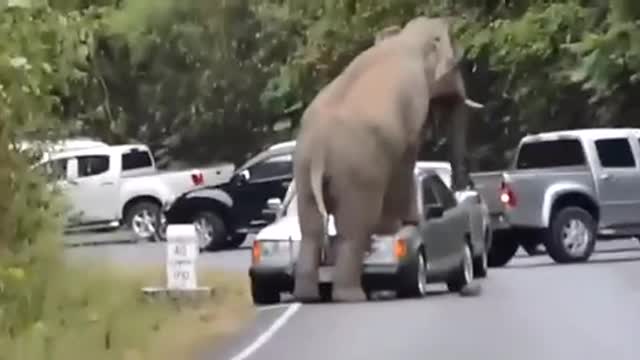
225,213
564,190
111,186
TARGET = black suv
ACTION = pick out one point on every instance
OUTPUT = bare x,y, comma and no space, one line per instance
224,214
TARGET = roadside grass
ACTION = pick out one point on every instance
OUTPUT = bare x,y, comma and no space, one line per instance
98,312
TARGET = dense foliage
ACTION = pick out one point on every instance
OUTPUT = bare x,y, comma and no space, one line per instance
212,80
203,80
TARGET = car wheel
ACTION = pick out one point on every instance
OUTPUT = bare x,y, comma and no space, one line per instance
571,236
464,273
481,263
144,219
212,232
264,294
414,279
502,250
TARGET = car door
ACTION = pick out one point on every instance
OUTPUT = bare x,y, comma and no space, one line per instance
267,179
432,228
454,221
618,184
92,188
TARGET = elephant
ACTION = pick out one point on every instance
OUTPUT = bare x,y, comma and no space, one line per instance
357,146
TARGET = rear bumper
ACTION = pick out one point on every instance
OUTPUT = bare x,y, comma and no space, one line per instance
499,222
374,276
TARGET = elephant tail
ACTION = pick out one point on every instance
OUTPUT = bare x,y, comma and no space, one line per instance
317,180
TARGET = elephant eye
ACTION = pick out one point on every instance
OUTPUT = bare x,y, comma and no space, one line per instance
437,39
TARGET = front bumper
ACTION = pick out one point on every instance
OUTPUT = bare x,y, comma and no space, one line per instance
374,276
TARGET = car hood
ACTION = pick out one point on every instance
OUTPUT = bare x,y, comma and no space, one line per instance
286,228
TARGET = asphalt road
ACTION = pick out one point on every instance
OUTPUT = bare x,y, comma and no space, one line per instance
532,309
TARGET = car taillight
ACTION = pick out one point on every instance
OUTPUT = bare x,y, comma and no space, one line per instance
197,177
507,196
400,248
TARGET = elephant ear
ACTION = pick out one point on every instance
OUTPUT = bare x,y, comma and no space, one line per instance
447,55
447,58
387,33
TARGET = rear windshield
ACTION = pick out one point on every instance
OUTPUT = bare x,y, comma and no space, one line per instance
136,159
551,153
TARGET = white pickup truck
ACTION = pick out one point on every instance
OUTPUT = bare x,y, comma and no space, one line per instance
111,186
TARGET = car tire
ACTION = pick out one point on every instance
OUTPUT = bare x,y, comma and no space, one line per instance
565,221
481,263
413,281
502,250
212,231
326,292
463,275
136,216
264,294
236,240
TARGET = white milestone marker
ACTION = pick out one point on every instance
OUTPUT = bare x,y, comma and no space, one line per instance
182,254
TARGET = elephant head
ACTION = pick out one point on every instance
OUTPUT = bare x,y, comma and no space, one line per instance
431,37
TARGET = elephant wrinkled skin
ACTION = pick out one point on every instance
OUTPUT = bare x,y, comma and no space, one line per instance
358,144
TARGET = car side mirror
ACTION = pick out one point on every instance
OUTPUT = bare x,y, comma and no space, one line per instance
433,211
270,213
274,204
242,177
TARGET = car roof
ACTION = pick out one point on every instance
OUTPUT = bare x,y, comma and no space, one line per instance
284,144
590,134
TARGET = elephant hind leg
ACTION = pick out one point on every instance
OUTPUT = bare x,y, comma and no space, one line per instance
356,217
312,230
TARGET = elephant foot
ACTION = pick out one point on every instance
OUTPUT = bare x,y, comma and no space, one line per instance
306,292
348,294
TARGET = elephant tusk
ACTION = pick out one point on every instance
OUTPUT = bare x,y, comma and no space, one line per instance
473,104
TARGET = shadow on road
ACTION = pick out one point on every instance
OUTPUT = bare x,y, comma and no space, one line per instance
589,262
597,251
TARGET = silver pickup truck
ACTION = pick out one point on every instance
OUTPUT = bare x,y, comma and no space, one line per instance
564,189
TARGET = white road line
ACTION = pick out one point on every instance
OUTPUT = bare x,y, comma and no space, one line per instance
271,307
265,336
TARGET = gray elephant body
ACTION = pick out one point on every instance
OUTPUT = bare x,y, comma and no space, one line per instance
357,148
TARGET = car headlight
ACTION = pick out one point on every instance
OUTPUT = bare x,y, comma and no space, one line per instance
264,249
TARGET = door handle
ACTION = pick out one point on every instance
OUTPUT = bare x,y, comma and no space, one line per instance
605,177
105,183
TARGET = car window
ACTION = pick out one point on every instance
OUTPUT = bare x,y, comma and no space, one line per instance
550,153
279,166
92,165
446,197
136,159
54,169
615,153
428,196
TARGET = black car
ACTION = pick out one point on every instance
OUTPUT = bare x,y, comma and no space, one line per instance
224,214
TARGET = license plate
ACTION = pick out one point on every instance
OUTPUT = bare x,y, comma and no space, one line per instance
325,273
